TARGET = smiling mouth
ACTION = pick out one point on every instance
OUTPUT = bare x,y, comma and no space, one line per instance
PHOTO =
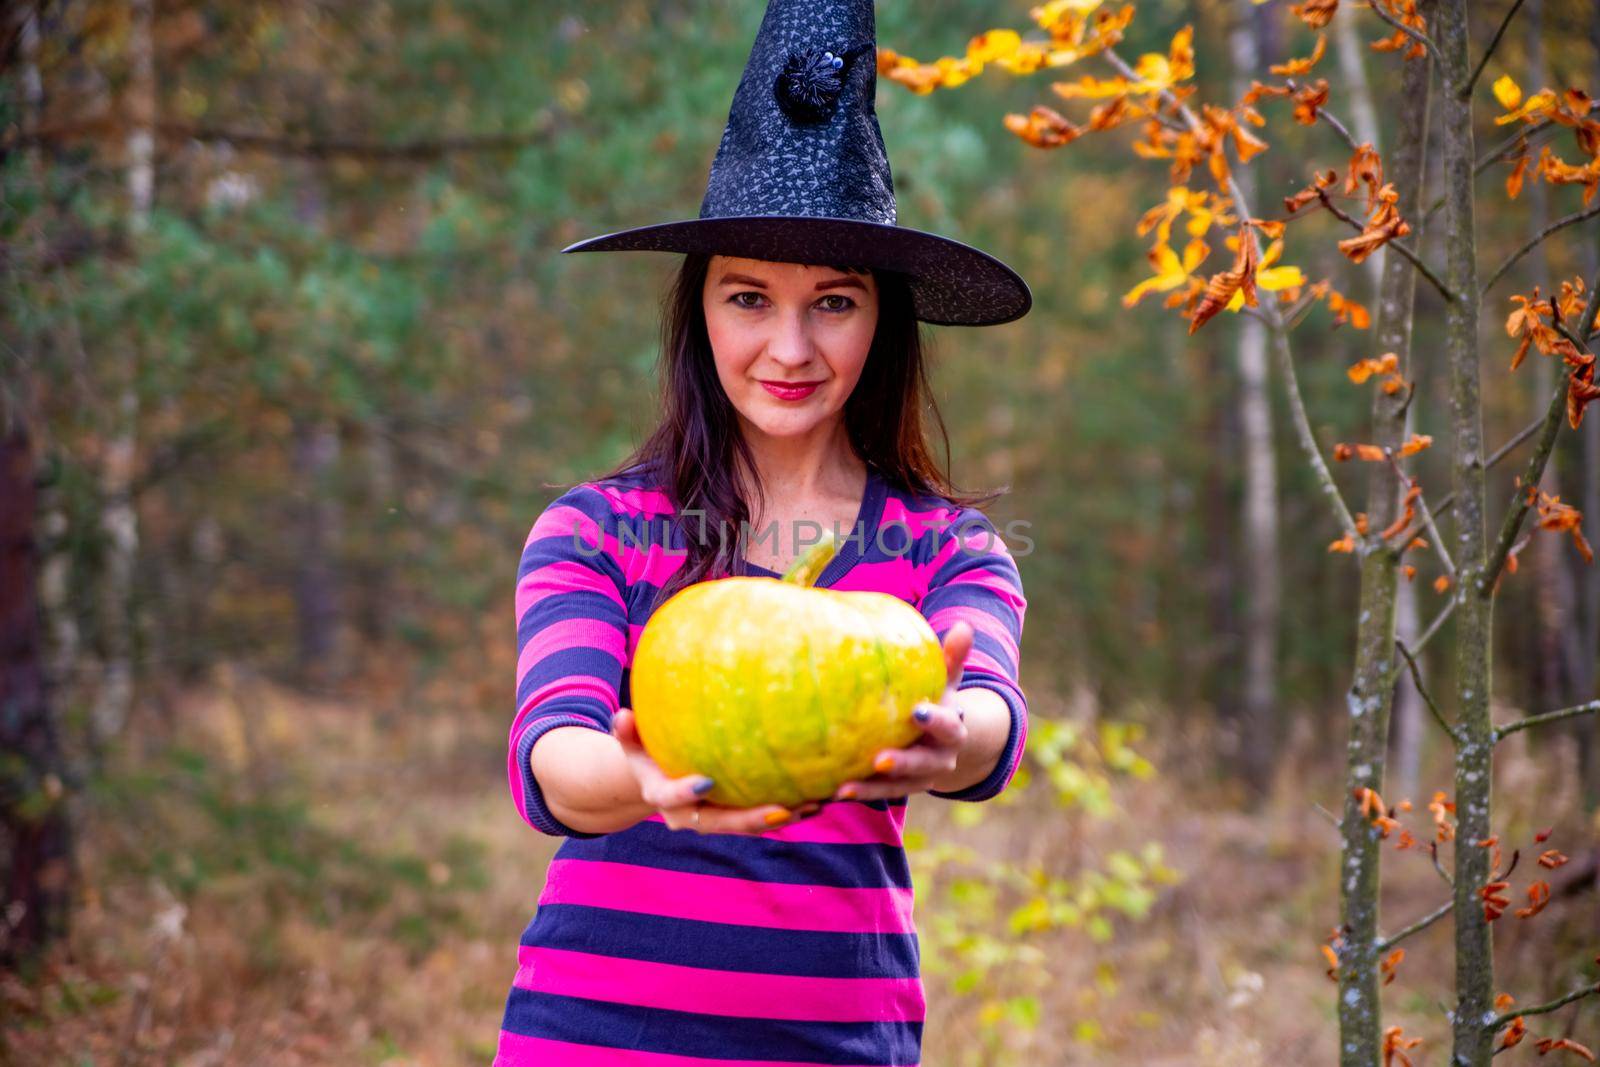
790,390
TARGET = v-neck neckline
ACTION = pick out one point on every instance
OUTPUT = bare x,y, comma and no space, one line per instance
853,549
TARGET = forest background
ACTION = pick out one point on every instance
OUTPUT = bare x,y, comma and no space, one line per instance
299,365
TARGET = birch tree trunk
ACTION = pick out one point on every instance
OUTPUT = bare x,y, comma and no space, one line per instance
1474,606
1372,691
1406,727
1259,518
119,521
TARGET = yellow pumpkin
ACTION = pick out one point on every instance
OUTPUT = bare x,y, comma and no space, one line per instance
777,690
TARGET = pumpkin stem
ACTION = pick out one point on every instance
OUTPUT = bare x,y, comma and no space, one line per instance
809,567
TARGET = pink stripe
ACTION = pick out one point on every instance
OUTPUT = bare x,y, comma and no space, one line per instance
895,576
838,824
581,685
570,633
519,1051
706,991
918,522
564,576
564,520
643,502
715,898
980,621
654,565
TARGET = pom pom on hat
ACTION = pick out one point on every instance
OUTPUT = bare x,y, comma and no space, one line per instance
808,86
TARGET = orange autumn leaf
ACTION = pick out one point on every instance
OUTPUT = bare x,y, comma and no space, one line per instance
1417,443
1441,583
1519,171
1333,961
1547,1045
1360,371
1409,571
1513,1034
1395,1047
1550,859
1390,965
1442,808
1554,515
1043,127
1538,897
1224,284
1294,68
1495,902
1294,203
1315,13
1308,100
1384,225
1343,544
1365,169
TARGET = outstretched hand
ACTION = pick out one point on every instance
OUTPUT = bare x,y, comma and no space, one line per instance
918,767
681,800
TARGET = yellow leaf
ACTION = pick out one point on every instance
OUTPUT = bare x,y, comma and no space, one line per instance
1274,278
988,47
1507,91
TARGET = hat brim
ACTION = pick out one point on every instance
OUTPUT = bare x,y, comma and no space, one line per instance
952,284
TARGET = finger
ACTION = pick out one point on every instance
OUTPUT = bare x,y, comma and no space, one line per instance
719,820
664,792
957,643
626,729
941,724
919,761
885,788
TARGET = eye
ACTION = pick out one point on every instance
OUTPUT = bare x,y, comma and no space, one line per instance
845,305
735,298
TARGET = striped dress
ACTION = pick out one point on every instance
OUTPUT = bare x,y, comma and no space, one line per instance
659,948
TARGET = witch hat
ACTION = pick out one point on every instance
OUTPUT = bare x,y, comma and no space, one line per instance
801,175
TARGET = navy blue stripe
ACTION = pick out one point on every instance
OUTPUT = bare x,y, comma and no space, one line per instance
750,857
992,648
966,595
723,946
565,662
566,606
597,1022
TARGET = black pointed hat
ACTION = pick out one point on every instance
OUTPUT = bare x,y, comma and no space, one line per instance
801,175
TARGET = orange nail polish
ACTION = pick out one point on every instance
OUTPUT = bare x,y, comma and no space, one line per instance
847,792
884,764
773,818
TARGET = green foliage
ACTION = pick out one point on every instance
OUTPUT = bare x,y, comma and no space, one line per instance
1000,931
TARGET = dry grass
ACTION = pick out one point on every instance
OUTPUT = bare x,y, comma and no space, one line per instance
321,882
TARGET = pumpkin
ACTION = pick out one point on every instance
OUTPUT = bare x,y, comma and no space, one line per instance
777,690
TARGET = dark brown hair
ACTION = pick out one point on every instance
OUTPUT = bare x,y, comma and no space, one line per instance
692,452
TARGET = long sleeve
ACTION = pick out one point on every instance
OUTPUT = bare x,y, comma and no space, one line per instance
974,578
572,633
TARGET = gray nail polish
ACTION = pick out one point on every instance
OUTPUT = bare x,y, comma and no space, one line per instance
922,714
704,786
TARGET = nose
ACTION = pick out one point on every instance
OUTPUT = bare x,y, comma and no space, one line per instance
791,344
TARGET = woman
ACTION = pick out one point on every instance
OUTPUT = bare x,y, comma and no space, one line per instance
676,932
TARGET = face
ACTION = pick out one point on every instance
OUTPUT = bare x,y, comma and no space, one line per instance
790,340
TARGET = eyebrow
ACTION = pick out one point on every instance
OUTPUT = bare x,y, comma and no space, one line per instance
826,283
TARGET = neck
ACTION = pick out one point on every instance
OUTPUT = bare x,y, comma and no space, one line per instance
820,463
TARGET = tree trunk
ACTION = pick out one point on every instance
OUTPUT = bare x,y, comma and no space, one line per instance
1474,607
35,831
1259,518
1406,727
1372,692
119,522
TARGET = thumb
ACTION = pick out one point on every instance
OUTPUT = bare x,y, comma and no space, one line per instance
957,644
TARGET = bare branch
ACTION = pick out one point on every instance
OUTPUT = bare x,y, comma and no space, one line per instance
1410,256
1438,621
1385,944
1591,708
1416,678
1433,852
1527,485
1466,90
1416,35
1279,338
1493,156
1541,455
1533,242
1542,1009
1427,517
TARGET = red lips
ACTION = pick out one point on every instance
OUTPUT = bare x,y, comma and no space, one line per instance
790,390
